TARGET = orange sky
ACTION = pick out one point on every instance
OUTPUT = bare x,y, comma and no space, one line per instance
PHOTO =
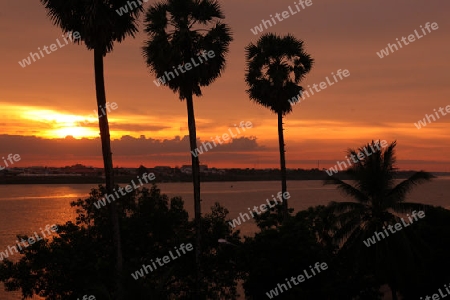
381,99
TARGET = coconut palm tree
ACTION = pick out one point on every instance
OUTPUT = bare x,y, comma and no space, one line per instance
99,26
275,67
378,203
186,50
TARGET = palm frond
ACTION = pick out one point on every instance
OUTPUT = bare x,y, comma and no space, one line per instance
348,189
275,66
179,32
97,22
206,11
156,21
402,189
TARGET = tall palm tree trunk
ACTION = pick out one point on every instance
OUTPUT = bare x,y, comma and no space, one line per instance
108,165
196,182
282,165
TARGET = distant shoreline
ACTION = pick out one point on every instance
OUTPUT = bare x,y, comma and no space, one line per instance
161,178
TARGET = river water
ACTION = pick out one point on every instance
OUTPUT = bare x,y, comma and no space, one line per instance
24,209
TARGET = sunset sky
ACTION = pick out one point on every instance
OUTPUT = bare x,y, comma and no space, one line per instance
43,103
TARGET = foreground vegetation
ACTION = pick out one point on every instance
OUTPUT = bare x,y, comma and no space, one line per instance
414,262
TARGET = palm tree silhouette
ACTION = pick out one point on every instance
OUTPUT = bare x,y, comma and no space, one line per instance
99,26
179,32
379,202
275,66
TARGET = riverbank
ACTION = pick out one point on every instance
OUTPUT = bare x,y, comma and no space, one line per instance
235,175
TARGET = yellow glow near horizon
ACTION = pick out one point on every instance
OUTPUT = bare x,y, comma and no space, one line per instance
60,125
50,123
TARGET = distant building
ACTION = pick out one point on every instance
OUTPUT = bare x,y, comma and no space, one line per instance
163,169
216,171
81,170
37,170
187,169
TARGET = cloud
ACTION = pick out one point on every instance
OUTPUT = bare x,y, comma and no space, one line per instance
126,150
